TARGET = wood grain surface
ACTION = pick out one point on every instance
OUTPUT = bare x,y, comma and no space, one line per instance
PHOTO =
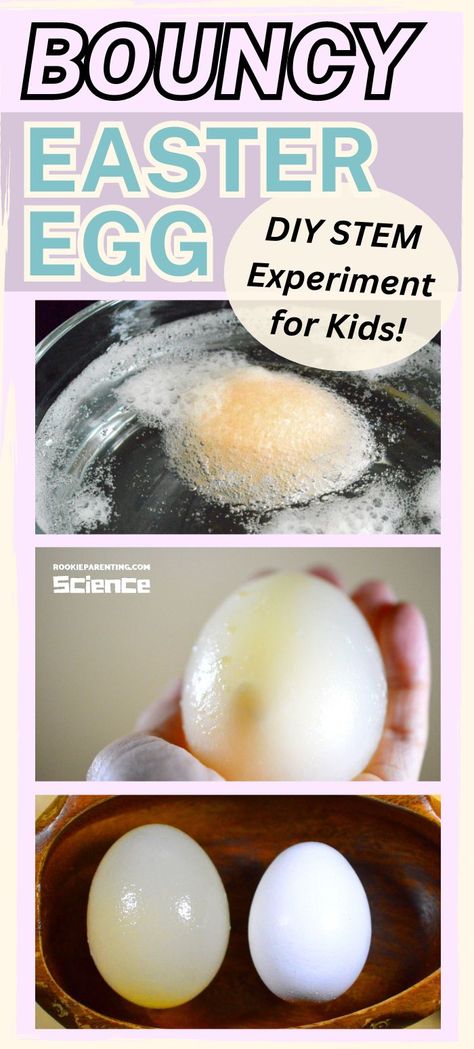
393,844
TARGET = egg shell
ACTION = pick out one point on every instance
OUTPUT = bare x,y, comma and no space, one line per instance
285,682
255,437
157,917
309,924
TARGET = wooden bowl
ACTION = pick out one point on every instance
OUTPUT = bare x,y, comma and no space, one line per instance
392,842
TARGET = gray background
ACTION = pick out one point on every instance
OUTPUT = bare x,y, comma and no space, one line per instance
102,659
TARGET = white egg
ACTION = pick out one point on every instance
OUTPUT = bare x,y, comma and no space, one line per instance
285,682
157,917
309,924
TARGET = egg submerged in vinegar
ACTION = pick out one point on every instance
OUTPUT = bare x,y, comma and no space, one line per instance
285,682
309,925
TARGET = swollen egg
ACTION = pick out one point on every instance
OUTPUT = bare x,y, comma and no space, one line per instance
285,682
157,917
309,924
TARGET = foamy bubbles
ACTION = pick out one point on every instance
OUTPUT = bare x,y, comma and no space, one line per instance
190,426
380,509
383,507
244,435
429,500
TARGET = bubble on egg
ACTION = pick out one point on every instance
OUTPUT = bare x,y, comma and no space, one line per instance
261,439
285,682
309,924
249,436
157,917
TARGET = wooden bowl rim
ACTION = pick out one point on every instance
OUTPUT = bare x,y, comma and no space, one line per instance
382,1006
421,805
424,805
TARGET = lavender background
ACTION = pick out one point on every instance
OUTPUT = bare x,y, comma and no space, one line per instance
419,157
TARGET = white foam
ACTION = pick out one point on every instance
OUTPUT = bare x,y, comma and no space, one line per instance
379,509
244,435
172,378
429,500
427,358
90,507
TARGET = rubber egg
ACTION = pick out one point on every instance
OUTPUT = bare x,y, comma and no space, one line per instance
157,917
309,924
285,682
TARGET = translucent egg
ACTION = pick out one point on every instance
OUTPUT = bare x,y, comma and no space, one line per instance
285,682
157,917
309,925
260,438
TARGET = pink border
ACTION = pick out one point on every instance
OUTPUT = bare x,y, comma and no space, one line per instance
19,327
19,320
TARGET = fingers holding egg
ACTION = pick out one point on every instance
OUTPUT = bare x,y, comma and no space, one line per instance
146,758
